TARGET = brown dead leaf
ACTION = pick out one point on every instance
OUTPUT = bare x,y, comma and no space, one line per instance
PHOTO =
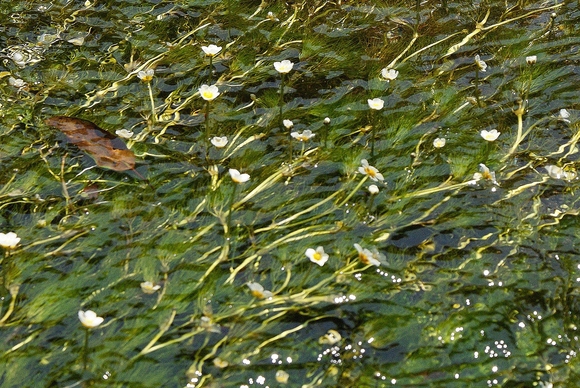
108,150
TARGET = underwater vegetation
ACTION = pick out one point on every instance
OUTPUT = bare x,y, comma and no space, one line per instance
304,193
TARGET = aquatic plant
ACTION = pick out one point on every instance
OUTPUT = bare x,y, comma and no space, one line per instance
490,135
89,319
438,168
219,141
317,255
147,76
366,256
370,171
208,93
389,74
258,290
439,142
149,287
9,240
376,103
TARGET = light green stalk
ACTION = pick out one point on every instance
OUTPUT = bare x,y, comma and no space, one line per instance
153,114
86,350
207,126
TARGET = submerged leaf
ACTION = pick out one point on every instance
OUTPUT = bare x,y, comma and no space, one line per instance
108,150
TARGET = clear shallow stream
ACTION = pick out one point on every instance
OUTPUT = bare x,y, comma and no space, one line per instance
478,276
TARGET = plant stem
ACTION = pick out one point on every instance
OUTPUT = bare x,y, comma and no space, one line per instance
290,147
373,142
372,134
207,128
281,101
5,264
86,350
153,114
349,196
520,135
477,85
210,70
232,199
13,289
418,11
370,204
527,91
520,114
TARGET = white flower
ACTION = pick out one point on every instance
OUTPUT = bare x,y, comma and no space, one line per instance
439,142
564,115
9,240
219,142
284,66
207,324
146,75
531,59
545,385
371,171
220,363
490,135
211,50
559,173
258,291
317,256
368,257
326,120
19,59
125,134
16,82
304,136
481,64
28,55
373,189
89,319
288,123
486,173
282,377
376,103
330,338
77,40
389,74
476,178
149,287
237,177
208,93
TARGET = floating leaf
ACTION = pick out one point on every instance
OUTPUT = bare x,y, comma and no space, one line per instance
108,150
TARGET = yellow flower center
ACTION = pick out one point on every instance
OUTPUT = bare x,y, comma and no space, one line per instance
208,95
258,294
370,172
363,258
317,256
